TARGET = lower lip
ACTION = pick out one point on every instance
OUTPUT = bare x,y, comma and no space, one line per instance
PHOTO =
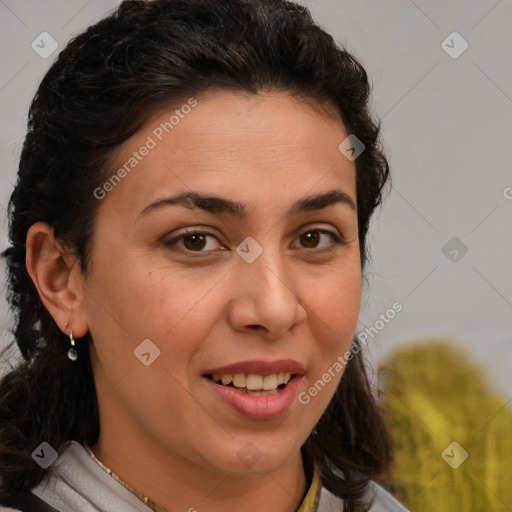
263,407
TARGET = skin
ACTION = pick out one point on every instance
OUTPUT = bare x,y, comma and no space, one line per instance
162,430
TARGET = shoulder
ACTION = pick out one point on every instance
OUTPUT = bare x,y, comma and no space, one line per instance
26,502
380,499
79,484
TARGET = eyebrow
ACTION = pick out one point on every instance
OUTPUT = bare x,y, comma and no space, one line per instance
215,204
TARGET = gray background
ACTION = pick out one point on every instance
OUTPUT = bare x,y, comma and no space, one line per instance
447,128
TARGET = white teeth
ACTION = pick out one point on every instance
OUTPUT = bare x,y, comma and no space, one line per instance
226,379
239,380
269,382
252,381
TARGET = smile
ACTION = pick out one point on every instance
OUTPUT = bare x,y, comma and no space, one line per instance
252,384
257,390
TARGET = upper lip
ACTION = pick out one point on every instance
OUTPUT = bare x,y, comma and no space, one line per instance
259,367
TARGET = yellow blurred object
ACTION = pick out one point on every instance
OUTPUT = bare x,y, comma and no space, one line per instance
452,432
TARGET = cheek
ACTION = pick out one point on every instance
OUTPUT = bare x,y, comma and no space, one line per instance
130,301
334,312
148,300
335,303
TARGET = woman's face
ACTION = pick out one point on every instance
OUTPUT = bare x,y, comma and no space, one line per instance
263,287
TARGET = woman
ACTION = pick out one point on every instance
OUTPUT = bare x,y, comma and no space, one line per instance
188,238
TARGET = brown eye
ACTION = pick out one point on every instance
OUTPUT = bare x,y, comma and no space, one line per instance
312,238
195,241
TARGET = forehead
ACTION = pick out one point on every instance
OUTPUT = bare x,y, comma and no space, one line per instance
269,146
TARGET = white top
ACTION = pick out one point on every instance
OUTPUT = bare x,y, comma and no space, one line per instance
78,484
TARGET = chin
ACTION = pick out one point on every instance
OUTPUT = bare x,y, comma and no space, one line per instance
255,457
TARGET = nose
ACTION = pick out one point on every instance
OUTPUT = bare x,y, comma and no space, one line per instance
265,297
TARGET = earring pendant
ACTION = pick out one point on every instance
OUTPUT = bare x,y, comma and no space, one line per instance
72,354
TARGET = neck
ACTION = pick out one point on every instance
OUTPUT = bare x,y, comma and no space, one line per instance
176,483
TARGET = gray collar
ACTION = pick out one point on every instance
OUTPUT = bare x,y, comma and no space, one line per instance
76,483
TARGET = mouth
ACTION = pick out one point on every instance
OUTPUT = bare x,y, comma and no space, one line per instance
253,384
256,390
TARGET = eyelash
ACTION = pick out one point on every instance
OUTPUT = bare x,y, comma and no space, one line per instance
336,238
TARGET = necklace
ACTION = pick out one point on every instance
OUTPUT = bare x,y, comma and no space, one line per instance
309,504
150,503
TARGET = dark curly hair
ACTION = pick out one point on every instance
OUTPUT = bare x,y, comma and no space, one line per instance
102,88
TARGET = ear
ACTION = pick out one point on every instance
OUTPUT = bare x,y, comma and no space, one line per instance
58,279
